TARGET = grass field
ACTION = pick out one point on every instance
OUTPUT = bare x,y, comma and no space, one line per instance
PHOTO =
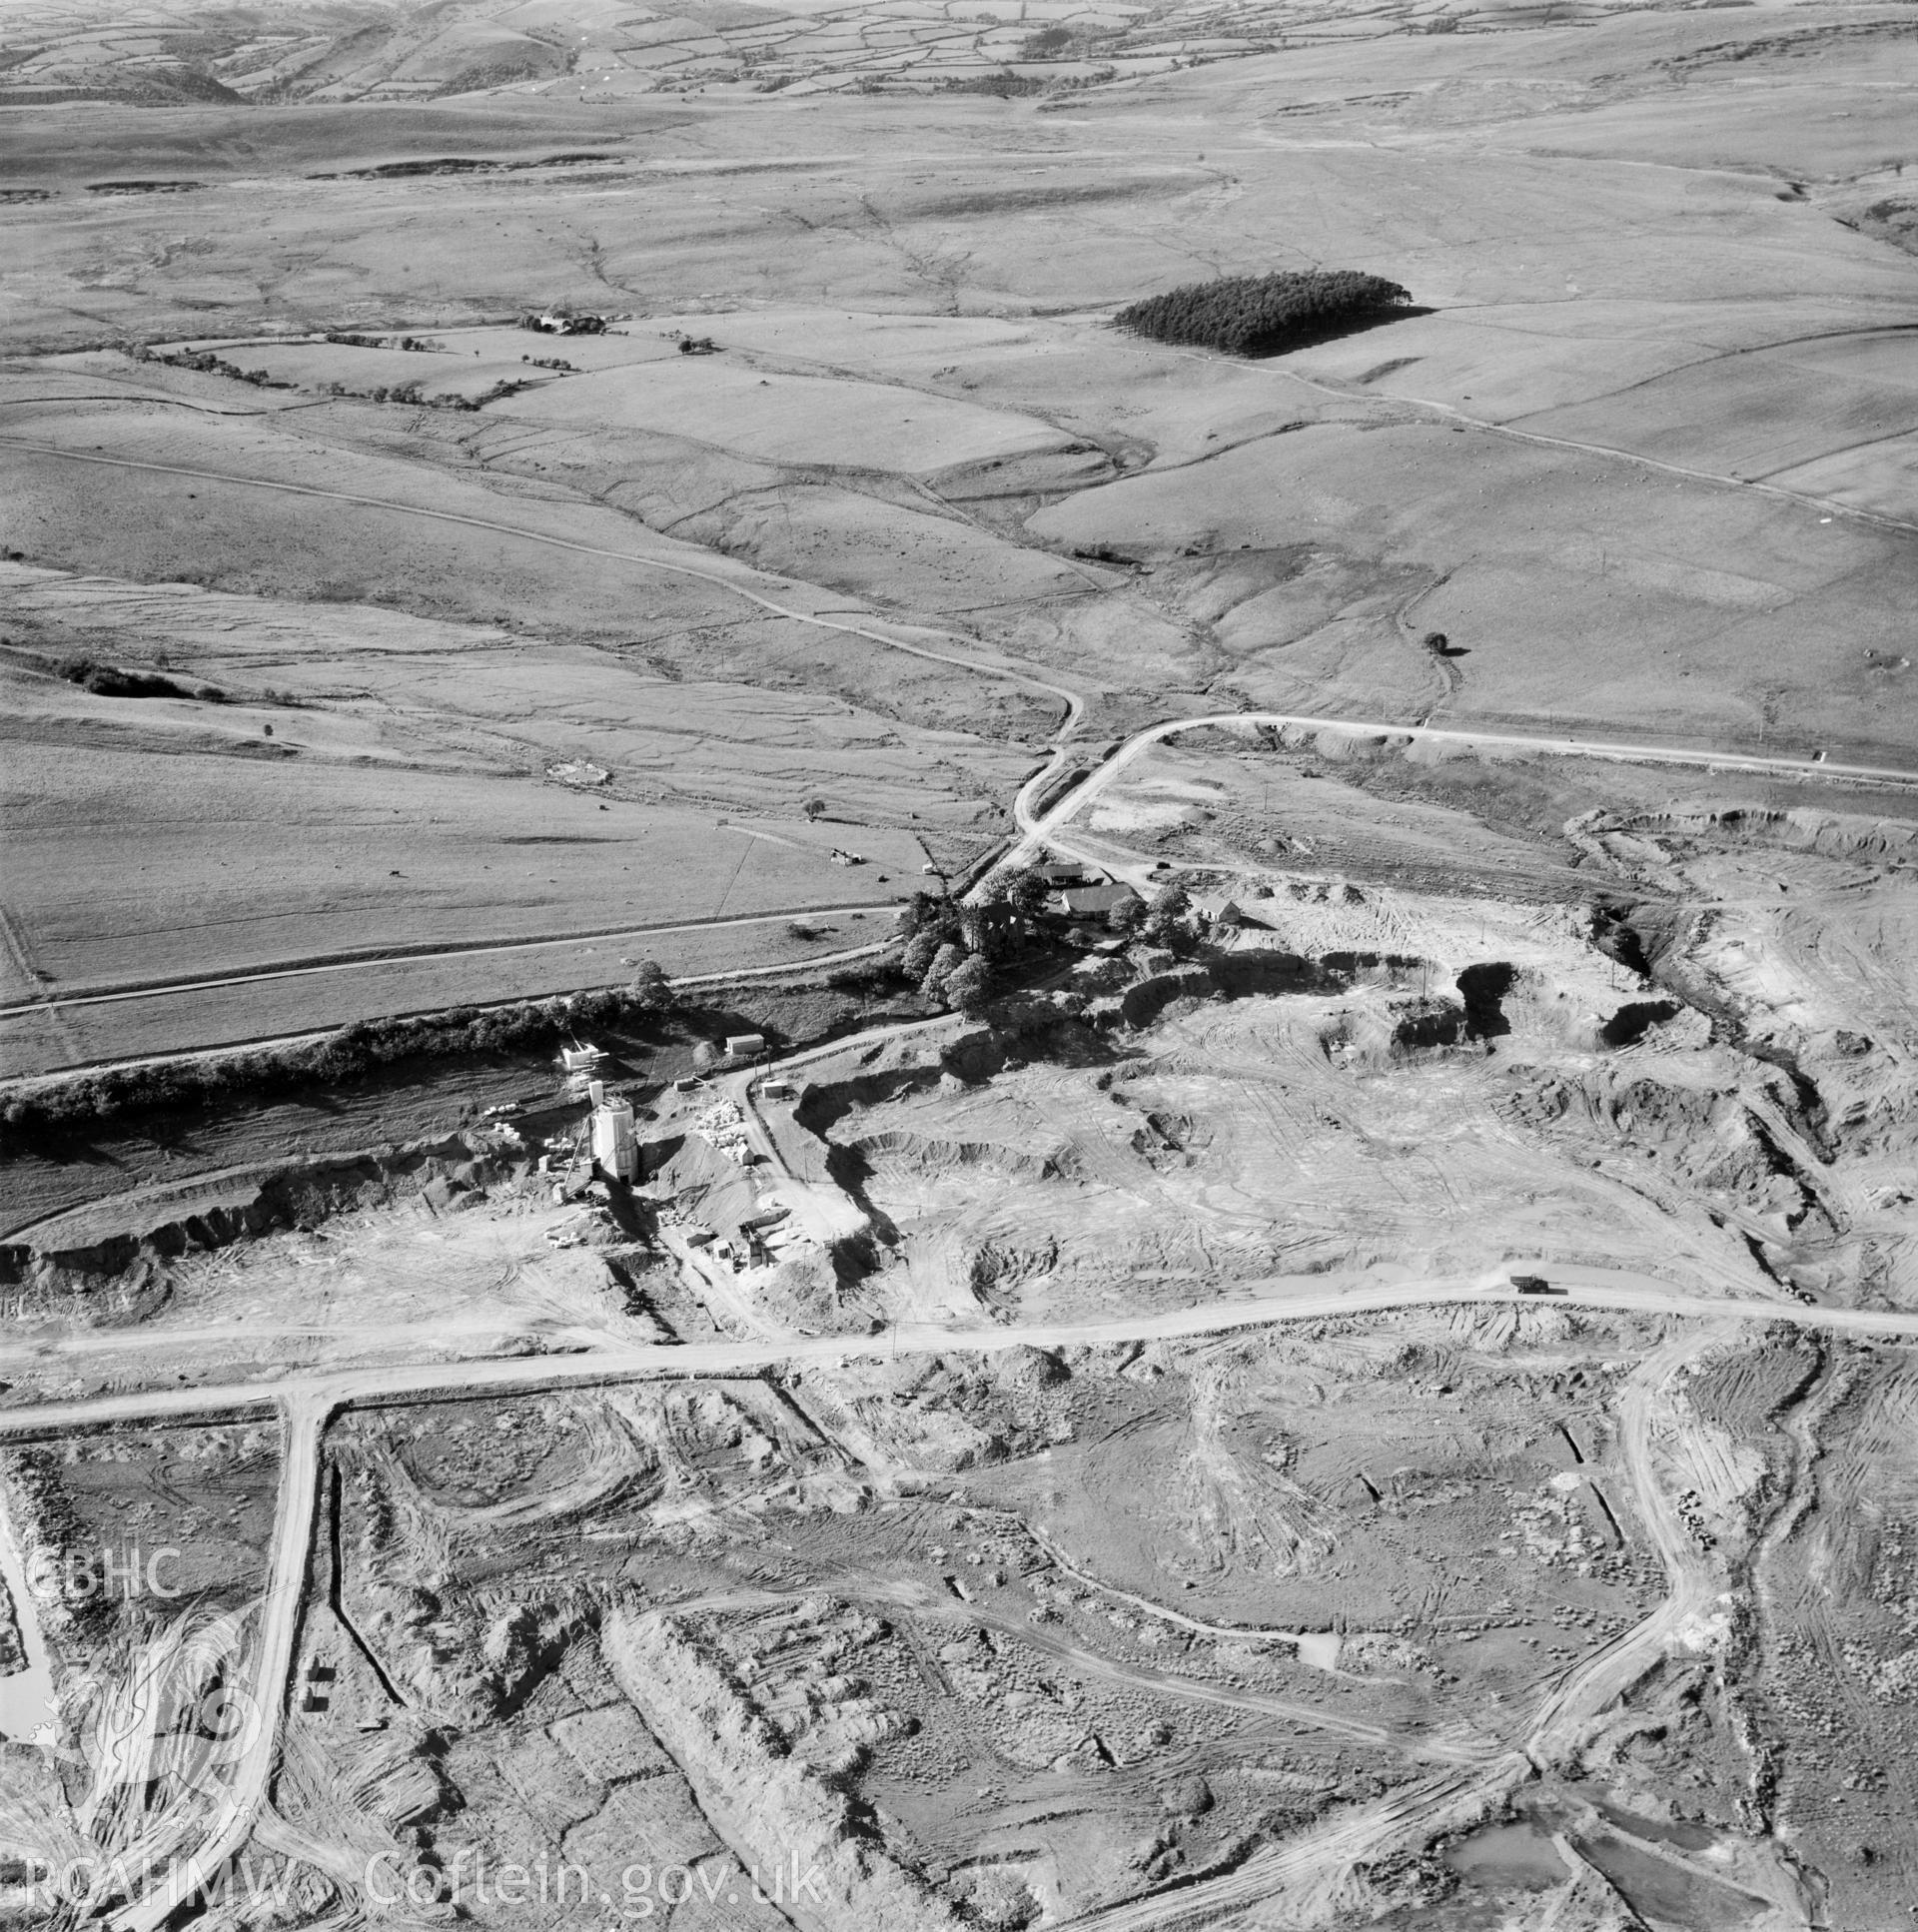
917,416
1880,477
1759,414
40,1039
787,418
358,793
414,859
1586,591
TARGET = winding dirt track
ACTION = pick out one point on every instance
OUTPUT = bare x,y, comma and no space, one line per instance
1609,1672
1040,831
895,1594
302,1417
305,1403
1005,669
1336,1849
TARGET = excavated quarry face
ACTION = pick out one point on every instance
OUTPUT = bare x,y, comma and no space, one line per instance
1354,1368
1133,1448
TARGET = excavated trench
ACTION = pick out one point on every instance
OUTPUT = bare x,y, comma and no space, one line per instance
217,1210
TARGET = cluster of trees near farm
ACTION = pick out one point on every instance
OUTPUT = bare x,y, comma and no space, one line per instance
1260,315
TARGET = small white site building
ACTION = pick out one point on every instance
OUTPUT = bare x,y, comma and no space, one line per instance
581,1059
743,1046
616,1151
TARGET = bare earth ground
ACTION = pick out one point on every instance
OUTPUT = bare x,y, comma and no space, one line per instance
1088,1462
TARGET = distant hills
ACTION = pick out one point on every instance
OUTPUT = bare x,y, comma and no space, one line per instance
54,52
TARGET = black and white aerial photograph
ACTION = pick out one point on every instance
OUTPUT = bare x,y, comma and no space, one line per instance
958,965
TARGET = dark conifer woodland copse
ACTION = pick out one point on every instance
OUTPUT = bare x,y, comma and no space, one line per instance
1255,315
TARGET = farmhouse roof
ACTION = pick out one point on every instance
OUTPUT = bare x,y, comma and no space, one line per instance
1094,901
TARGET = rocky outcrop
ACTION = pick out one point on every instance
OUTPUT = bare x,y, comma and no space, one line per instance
214,1210
1255,972
920,1153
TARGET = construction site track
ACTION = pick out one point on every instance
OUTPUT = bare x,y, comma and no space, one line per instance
305,1403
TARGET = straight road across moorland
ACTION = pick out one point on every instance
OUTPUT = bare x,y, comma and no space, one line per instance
448,949
689,982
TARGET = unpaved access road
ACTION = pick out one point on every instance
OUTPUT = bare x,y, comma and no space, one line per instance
305,1404
302,1419
1039,830
1267,1307
1604,1676
1354,1836
1197,1690
388,956
983,664
1560,1726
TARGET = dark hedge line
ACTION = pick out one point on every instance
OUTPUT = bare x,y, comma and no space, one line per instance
1004,85
368,1045
349,1054
1253,315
